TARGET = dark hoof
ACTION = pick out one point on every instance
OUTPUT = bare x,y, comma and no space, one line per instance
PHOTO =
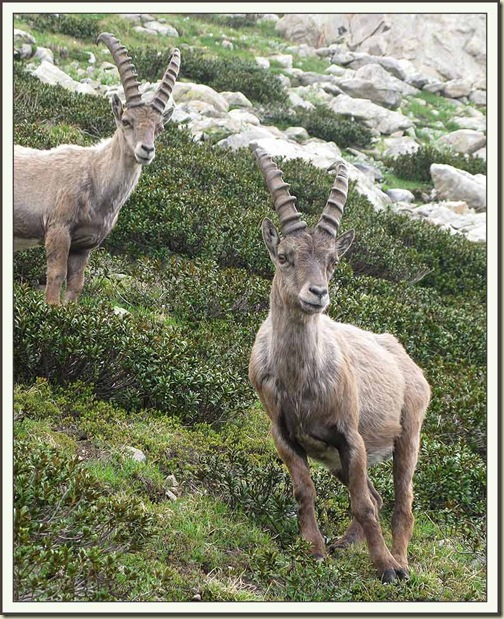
392,575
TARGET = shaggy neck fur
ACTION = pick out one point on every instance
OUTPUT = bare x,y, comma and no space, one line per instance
295,340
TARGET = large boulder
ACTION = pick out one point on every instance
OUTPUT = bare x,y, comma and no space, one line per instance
383,120
187,91
453,184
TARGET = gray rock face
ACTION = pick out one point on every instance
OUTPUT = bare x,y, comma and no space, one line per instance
443,46
457,88
50,74
163,29
454,184
236,99
44,53
465,141
187,91
478,97
374,83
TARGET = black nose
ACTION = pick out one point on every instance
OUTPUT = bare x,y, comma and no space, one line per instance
148,149
318,291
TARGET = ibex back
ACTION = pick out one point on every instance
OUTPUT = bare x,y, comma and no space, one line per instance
69,198
345,397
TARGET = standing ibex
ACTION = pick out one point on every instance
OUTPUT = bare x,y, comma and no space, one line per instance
345,397
68,198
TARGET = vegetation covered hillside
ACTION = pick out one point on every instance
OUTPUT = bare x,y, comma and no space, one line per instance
209,513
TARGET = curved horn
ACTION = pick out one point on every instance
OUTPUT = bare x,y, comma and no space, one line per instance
126,69
333,210
285,204
167,83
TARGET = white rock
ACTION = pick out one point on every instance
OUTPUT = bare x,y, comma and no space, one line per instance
187,91
476,124
170,495
120,311
482,153
284,60
404,145
20,37
163,29
50,74
227,44
85,89
478,97
454,184
457,88
466,141
263,62
137,454
143,30
298,134
237,99
44,53
244,116
297,102
400,195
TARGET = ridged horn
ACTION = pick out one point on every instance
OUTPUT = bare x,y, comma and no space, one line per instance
285,204
167,83
333,210
126,69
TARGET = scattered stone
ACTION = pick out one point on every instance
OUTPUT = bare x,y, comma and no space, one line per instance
264,63
478,97
481,153
400,195
298,134
187,91
120,311
20,37
457,88
465,141
284,60
137,454
170,495
143,30
395,146
227,44
236,99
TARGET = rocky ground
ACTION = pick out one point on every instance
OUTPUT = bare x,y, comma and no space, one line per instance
384,93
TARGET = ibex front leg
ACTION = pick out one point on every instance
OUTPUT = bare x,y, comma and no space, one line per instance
296,461
77,261
364,510
57,246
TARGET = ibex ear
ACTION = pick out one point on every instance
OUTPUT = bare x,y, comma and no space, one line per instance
271,238
344,241
167,114
117,108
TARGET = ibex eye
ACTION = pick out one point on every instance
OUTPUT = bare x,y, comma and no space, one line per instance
126,123
282,258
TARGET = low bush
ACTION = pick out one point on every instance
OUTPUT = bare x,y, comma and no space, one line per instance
320,122
78,26
136,362
221,74
416,166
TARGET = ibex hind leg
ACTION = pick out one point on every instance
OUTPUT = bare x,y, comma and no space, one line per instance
77,261
405,460
355,533
57,246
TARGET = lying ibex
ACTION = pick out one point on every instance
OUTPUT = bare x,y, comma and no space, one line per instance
68,198
345,397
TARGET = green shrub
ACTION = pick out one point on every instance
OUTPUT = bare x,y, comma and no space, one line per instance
77,26
133,361
320,122
43,105
69,533
416,166
221,74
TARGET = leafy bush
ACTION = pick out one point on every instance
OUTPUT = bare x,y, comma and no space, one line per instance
69,533
77,26
321,122
416,166
221,74
133,361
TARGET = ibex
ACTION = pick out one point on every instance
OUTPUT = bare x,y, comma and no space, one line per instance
346,397
68,198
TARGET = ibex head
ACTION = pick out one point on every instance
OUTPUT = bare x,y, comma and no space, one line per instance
140,123
304,259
